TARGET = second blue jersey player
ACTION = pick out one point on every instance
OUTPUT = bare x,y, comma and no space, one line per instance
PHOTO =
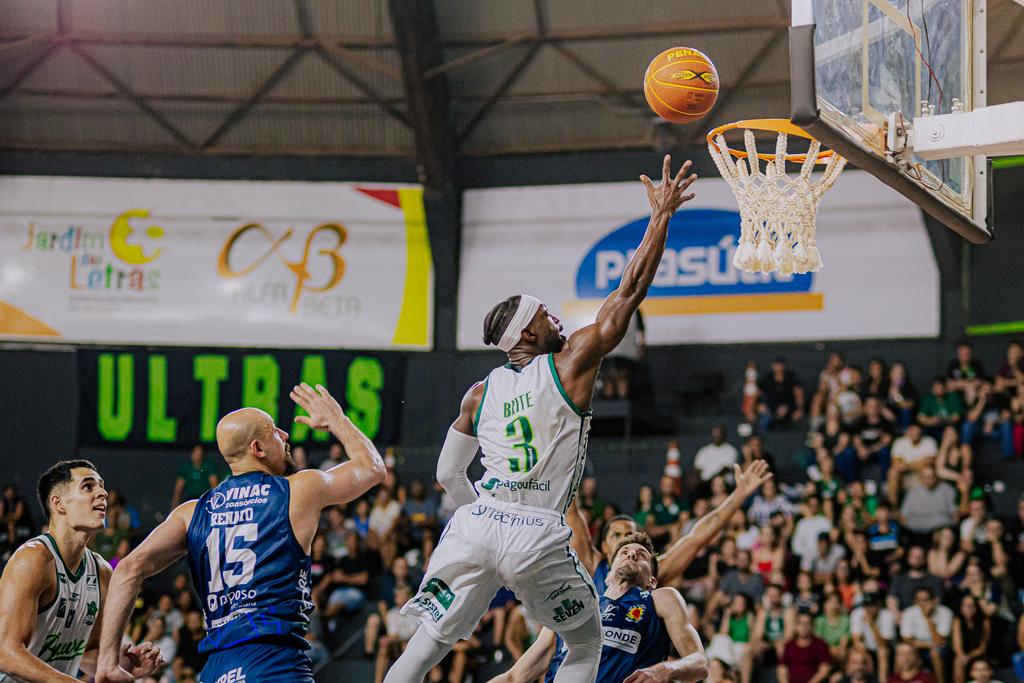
248,543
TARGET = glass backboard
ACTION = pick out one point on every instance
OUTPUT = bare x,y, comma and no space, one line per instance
855,63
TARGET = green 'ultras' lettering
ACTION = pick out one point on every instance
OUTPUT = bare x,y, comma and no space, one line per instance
520,428
314,371
115,423
261,381
159,427
210,371
365,380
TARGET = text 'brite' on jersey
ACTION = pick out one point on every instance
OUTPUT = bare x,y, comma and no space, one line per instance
633,634
62,629
249,570
533,437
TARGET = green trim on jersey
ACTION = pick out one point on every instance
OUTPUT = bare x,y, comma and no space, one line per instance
561,389
480,408
71,575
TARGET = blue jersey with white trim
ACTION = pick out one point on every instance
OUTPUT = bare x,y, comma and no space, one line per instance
249,570
634,637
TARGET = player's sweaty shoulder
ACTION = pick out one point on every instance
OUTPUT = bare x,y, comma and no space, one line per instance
31,568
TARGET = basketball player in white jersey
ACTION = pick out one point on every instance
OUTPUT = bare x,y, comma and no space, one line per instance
53,588
530,418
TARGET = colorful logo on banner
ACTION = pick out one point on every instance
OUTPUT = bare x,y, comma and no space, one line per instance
118,261
696,275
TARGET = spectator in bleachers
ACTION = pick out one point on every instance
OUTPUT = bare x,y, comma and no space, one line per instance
350,580
805,658
772,628
400,629
833,626
739,580
644,513
781,398
965,372
186,640
926,625
940,408
301,458
945,558
731,641
335,456
667,510
421,509
871,437
901,397
17,521
989,417
830,382
848,400
590,502
873,628
768,503
906,584
858,668
928,505
971,635
911,453
195,477
753,449
907,666
876,385
883,538
822,564
714,457
812,524
981,671
972,528
383,517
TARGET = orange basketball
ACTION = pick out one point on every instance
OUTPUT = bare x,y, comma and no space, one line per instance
681,85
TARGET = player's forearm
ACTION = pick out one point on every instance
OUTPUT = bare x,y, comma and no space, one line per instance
641,269
693,667
678,557
361,451
17,661
456,455
88,661
117,608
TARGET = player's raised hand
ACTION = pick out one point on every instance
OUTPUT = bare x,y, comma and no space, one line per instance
749,481
323,409
141,660
671,193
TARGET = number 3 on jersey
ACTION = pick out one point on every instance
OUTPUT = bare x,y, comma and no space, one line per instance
521,430
233,555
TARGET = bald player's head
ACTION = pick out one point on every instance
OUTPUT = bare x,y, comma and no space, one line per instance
250,433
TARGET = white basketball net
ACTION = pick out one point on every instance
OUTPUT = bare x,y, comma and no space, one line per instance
777,212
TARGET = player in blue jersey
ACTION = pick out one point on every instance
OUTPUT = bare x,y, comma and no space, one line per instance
248,543
634,648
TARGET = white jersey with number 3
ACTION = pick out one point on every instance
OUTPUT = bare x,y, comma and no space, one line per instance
533,437
62,629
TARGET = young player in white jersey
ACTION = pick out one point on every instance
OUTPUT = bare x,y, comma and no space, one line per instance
53,588
530,418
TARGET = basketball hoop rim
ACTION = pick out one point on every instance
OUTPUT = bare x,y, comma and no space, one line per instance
774,125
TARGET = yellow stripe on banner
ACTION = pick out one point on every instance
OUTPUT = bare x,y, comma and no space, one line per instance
414,322
718,303
15,321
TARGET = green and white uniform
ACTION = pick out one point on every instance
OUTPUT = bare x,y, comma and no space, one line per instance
534,443
62,629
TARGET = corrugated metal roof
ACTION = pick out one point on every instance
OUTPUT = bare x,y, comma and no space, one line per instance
195,63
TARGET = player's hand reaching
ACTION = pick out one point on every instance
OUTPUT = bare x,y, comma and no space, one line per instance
670,194
652,674
748,481
323,409
141,660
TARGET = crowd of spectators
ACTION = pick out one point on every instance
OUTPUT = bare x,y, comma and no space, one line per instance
881,562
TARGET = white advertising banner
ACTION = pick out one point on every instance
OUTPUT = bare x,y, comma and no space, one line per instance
222,263
569,244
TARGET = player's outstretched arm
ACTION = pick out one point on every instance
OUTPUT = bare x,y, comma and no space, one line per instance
534,662
23,582
674,561
595,341
138,660
580,541
460,446
692,664
349,480
165,545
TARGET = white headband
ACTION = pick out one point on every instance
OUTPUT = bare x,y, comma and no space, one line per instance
528,307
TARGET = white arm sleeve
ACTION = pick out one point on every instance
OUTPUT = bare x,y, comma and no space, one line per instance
458,451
